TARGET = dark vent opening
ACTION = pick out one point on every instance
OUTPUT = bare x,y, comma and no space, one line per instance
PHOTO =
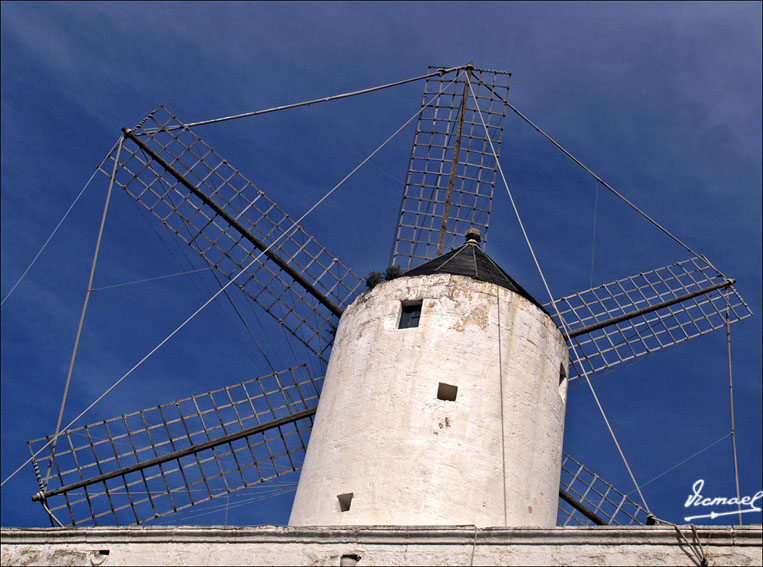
447,392
349,559
344,501
562,383
410,315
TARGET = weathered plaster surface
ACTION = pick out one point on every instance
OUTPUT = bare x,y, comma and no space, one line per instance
489,458
379,545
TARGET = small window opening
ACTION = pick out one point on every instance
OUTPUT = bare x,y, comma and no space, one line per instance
447,392
562,383
349,559
410,315
344,501
99,557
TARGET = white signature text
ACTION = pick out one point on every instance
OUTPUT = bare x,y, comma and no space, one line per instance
698,499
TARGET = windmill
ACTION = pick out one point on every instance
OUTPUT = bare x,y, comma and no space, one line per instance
151,463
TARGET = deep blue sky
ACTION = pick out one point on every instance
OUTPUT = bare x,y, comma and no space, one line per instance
662,100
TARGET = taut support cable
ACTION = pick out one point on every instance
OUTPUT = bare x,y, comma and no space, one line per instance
151,279
684,461
600,180
731,403
63,218
503,425
87,299
551,297
316,100
294,225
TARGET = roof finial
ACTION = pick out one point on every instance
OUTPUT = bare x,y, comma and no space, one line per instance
473,235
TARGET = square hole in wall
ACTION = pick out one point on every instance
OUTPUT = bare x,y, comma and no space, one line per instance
410,315
344,501
447,392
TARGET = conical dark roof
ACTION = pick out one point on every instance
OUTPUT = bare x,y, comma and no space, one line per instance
470,260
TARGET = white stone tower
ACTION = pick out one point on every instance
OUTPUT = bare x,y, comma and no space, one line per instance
443,404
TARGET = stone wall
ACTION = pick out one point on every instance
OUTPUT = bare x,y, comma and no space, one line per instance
379,545
387,449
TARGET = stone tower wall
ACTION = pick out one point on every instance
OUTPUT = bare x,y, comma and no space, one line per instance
406,457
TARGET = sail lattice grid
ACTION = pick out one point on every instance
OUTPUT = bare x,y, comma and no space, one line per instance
154,462
593,497
210,232
681,301
452,172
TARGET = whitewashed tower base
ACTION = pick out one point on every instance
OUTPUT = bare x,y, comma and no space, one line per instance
387,449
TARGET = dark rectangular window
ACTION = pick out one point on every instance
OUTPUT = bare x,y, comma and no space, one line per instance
345,500
410,315
446,392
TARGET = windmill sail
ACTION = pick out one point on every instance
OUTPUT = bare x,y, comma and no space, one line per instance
154,462
586,499
452,171
619,321
211,206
